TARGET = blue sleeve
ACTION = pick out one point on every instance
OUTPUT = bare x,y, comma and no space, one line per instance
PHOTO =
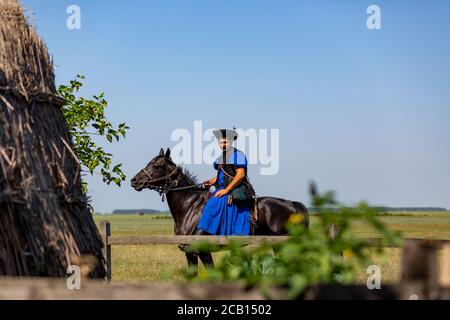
239,160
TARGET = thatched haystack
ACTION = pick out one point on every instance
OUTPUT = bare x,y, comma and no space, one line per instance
45,224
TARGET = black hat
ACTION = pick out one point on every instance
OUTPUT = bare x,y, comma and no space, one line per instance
230,134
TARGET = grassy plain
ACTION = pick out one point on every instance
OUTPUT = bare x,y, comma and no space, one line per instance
155,263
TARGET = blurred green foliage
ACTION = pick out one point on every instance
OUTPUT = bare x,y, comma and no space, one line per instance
306,258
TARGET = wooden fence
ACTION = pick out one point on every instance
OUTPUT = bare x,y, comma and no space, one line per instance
420,274
420,277
109,240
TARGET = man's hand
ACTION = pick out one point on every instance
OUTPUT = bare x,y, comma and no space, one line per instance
210,182
207,184
221,193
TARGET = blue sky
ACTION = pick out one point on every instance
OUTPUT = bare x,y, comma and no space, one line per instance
363,112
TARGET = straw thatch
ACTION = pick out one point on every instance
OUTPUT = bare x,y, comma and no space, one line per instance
45,223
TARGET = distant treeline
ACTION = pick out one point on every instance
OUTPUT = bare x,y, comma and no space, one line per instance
136,211
396,209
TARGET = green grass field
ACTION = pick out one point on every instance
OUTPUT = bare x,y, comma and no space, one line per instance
156,263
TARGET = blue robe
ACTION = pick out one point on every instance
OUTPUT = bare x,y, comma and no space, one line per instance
219,218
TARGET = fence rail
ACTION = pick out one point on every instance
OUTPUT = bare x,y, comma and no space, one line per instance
419,259
219,240
56,289
224,240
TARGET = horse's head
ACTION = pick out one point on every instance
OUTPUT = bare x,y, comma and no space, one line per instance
157,174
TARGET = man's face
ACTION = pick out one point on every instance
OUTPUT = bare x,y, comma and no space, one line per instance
224,144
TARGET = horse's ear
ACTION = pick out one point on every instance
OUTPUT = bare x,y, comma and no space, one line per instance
168,153
161,153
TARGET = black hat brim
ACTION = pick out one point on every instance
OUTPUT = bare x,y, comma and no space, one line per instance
226,134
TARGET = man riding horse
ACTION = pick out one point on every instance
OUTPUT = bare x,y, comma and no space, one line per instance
228,211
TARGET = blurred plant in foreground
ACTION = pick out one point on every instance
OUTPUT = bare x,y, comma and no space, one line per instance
308,257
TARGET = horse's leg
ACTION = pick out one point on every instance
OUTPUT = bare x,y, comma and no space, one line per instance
192,261
207,259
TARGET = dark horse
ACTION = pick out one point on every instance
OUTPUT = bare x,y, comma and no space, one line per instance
186,201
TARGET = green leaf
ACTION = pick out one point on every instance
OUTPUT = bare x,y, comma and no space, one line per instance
83,117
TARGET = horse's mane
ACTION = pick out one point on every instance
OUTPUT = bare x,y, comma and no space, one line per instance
190,177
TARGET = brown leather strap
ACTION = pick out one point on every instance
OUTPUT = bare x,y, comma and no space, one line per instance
231,177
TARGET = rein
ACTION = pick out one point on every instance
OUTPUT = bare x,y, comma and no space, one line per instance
162,178
170,184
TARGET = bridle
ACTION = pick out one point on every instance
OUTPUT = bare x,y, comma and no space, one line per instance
169,184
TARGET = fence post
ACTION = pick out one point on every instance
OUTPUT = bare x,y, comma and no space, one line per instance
105,232
333,231
445,272
420,265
